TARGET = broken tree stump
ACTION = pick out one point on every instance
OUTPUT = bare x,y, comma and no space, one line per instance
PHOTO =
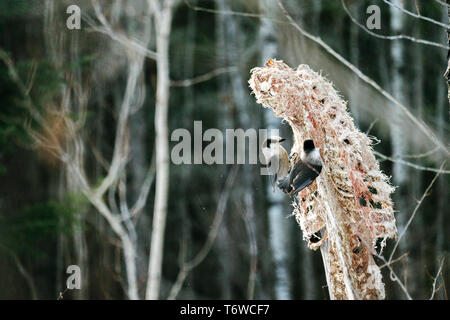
349,204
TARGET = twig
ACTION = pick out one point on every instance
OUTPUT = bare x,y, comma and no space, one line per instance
424,195
435,280
410,164
371,126
395,260
204,77
244,14
417,7
396,37
61,294
393,275
145,189
418,16
186,267
98,156
120,38
31,77
120,145
421,155
442,3
26,275
253,256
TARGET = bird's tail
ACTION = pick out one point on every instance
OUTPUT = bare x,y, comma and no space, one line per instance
283,185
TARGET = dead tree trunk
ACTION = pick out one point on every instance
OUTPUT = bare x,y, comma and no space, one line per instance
349,203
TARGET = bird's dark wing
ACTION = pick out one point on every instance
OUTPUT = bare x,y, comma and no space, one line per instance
317,169
302,176
299,166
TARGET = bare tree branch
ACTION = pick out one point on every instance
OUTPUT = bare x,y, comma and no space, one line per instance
418,16
244,14
253,256
120,154
145,189
421,155
396,37
29,279
434,290
410,164
394,260
442,3
425,194
187,267
393,275
204,77
119,37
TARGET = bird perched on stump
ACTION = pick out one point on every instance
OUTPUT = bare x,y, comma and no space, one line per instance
277,159
303,171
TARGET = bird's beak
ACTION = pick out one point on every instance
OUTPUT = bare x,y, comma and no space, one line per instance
282,139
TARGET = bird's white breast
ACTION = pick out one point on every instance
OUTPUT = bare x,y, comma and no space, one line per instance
313,157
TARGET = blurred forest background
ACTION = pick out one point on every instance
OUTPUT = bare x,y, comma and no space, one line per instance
85,177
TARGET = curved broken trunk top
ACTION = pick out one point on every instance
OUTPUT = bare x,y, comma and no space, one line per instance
349,203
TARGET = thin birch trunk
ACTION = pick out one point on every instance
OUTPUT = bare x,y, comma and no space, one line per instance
398,142
278,224
398,89
163,20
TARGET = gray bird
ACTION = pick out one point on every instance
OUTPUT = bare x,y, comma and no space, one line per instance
304,171
277,158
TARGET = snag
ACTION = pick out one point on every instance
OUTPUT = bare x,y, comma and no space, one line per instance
349,203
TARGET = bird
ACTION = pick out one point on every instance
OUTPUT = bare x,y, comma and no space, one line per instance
277,159
303,171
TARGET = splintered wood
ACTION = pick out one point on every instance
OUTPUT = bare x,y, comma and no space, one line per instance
348,207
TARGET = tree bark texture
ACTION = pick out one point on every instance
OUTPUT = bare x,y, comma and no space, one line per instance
349,203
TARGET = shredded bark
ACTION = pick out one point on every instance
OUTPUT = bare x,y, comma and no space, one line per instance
349,204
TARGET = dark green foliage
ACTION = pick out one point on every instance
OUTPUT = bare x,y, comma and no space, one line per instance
16,8
25,232
14,115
